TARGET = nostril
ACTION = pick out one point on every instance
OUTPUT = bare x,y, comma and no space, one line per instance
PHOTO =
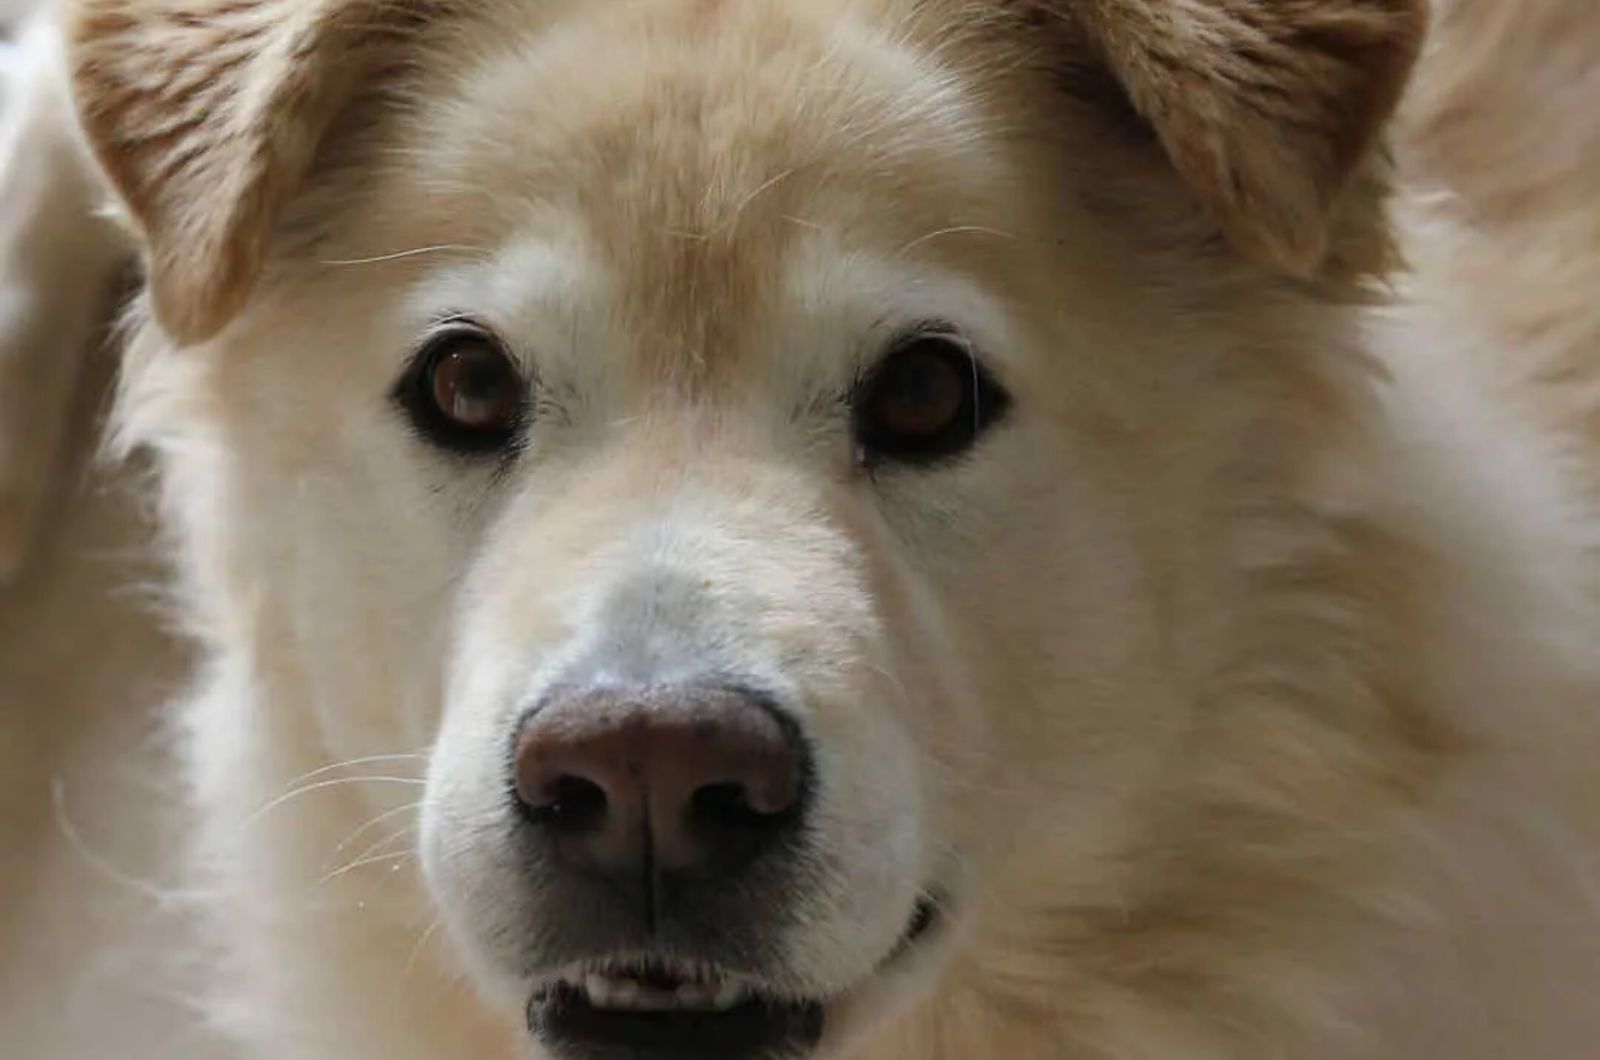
728,806
568,802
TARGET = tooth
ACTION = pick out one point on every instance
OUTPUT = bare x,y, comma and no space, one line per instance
701,988
657,1001
728,994
595,987
693,995
606,992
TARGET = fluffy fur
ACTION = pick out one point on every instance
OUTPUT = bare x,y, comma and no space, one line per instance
57,265
1238,690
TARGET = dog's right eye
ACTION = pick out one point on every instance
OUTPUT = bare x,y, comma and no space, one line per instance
463,392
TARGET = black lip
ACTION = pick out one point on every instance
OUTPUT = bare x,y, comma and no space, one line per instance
923,920
567,1024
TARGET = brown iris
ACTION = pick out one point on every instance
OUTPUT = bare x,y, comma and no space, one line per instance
464,391
928,399
918,392
475,387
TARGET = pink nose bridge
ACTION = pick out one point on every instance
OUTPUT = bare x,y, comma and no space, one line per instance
674,778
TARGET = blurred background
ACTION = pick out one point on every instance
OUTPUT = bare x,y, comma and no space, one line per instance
90,945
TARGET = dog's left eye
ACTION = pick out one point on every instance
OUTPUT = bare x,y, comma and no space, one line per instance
927,400
463,391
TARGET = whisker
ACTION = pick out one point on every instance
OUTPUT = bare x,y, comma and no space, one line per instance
398,856
767,185
97,861
951,231
371,823
977,393
422,940
439,248
347,763
321,784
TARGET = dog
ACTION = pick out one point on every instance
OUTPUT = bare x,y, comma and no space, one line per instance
870,529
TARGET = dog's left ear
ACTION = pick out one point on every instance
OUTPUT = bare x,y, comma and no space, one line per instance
206,116
1266,108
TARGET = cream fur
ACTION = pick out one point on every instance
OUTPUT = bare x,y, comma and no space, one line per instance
1240,687
56,269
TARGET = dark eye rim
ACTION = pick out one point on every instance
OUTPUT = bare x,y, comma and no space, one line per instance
985,402
413,393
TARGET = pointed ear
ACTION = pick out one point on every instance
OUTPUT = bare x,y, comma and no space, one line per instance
206,116
1267,108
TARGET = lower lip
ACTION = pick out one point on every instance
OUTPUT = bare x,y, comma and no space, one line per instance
572,1028
564,1020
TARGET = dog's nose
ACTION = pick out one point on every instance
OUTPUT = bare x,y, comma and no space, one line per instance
671,778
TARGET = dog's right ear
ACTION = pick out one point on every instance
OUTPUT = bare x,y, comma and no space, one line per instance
206,116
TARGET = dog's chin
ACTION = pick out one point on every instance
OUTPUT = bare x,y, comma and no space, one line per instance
646,1008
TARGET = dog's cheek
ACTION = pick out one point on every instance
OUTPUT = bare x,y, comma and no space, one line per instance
483,897
1032,610
903,740
347,535
508,620
873,850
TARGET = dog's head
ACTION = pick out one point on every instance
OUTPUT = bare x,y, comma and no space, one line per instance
788,460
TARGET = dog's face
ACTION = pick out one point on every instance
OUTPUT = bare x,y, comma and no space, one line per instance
752,446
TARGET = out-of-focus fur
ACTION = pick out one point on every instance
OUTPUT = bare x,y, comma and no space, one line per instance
92,953
1502,151
57,265
1265,652
96,949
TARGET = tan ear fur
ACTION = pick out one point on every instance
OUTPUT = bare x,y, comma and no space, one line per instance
1267,108
206,116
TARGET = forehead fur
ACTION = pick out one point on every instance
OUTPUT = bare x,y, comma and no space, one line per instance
1260,108
686,147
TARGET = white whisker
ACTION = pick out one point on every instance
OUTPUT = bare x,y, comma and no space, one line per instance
977,394
377,857
422,940
765,186
97,861
951,231
371,823
321,784
459,248
347,763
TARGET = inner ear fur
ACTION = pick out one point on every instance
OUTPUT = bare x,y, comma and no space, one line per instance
1269,110
206,115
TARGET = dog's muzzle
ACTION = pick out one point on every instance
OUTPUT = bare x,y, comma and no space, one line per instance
677,812
665,831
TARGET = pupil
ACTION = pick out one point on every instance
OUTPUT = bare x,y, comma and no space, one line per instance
480,376
923,394
921,382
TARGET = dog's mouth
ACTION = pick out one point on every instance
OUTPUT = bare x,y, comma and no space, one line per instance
662,1012
658,1009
